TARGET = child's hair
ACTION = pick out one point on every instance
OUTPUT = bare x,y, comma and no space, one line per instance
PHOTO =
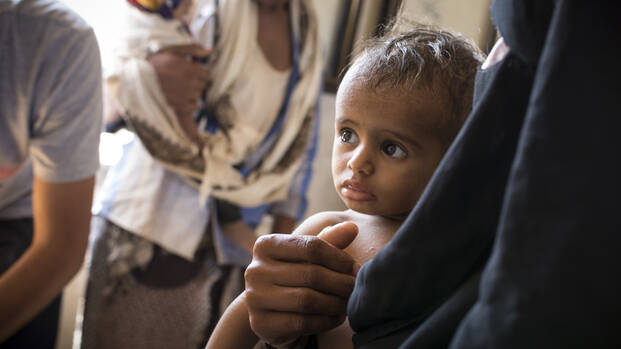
427,58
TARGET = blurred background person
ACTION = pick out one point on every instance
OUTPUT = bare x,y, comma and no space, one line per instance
50,120
224,136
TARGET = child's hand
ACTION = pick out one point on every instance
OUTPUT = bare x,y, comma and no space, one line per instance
299,284
339,235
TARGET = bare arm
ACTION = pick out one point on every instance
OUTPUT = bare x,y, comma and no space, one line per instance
233,330
61,215
245,237
240,234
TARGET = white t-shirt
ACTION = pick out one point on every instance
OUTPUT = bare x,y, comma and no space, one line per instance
50,98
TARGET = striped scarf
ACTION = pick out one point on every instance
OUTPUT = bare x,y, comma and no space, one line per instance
214,170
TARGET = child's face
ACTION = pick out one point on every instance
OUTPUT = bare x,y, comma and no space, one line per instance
382,158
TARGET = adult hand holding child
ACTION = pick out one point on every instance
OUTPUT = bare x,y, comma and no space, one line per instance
299,284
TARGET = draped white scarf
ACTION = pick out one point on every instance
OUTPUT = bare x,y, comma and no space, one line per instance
134,83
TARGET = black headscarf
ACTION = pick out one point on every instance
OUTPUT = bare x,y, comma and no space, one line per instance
515,243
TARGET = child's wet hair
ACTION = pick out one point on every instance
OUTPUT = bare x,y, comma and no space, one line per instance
423,58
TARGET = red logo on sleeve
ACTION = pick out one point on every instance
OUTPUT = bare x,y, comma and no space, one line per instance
6,172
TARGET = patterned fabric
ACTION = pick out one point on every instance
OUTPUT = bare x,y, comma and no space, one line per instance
166,303
164,8
276,154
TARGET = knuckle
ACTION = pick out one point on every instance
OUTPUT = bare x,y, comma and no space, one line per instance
263,244
305,301
309,276
250,297
252,272
312,246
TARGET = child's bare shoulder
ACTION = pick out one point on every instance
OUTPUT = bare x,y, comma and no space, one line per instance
315,223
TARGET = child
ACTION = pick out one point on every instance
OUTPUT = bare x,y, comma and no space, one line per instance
398,108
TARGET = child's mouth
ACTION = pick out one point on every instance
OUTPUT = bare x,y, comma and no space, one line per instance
354,191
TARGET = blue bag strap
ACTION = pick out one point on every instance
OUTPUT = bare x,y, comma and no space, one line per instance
256,157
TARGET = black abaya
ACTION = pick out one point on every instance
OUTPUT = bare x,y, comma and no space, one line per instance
525,200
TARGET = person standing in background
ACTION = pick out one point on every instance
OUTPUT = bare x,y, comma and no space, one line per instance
50,120
223,136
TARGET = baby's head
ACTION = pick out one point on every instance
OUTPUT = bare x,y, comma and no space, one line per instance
398,108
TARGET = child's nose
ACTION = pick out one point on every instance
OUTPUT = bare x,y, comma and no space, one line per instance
360,161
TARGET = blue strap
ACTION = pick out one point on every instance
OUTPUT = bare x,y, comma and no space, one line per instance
254,159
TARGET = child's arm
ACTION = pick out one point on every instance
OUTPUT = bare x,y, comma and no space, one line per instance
233,330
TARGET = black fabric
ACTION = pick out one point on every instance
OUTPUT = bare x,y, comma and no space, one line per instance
553,279
227,212
523,24
40,332
532,181
166,270
432,255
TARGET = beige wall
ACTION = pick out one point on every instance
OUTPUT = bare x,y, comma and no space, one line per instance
322,195
469,17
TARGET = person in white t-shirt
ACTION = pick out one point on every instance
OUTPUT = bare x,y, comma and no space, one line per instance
50,120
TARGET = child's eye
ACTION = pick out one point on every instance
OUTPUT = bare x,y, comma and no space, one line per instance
394,150
348,136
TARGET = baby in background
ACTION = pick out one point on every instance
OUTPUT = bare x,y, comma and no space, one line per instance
398,109
146,27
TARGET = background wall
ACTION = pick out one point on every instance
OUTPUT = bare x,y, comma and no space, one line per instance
471,18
